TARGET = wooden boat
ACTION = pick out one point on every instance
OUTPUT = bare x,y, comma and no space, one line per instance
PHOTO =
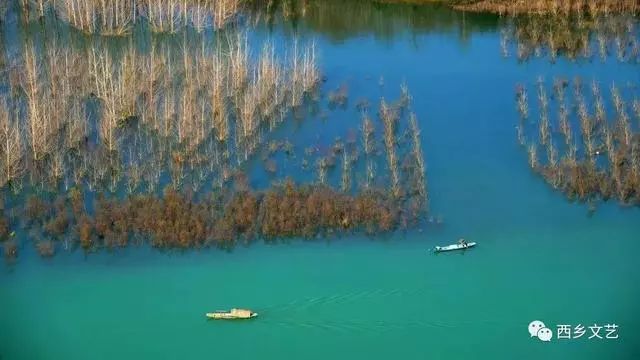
454,247
234,314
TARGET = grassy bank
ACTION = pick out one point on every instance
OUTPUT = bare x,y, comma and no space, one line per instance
533,6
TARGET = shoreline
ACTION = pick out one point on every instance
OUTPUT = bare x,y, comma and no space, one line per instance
506,7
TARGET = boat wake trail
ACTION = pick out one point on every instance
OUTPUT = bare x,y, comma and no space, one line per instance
359,325
337,326
363,311
343,299
351,312
360,311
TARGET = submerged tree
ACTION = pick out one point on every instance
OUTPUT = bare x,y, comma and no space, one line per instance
117,17
551,7
603,162
573,35
121,121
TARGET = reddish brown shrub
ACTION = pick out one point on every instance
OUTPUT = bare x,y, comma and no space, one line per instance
10,250
4,227
58,225
85,230
36,209
45,248
77,202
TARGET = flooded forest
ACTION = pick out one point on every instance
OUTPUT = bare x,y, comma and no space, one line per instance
160,122
132,125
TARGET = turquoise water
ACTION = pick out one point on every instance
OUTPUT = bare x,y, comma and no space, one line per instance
539,257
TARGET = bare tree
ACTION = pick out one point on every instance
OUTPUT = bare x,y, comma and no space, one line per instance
389,117
418,158
38,121
11,147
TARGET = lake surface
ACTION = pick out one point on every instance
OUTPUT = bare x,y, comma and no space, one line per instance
539,257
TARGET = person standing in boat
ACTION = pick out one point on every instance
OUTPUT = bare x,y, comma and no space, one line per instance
462,242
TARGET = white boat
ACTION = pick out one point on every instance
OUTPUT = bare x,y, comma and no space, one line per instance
454,247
